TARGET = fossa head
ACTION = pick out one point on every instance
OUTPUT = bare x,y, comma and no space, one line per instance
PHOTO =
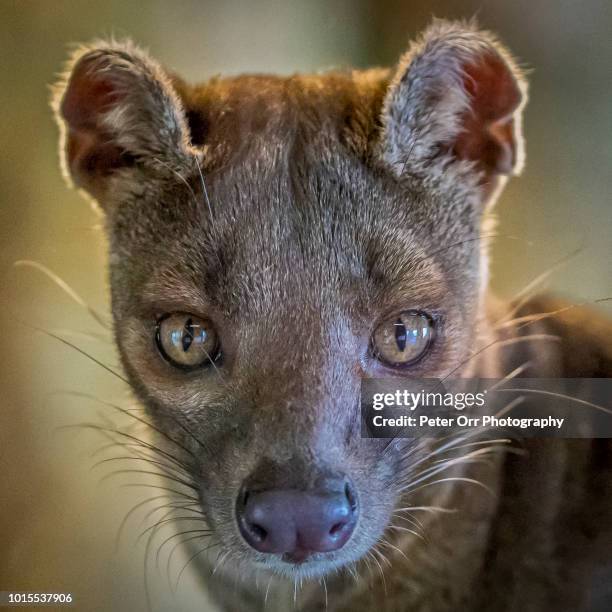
274,240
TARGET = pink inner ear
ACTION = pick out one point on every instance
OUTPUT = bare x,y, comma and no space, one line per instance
90,93
488,136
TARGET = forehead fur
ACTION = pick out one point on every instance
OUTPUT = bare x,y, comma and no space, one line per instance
231,115
290,199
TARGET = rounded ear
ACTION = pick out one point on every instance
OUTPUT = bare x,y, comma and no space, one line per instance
117,112
453,109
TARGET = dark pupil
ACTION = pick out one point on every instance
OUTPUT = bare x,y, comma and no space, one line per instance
400,335
187,338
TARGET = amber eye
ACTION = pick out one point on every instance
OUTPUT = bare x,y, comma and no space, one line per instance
187,341
403,339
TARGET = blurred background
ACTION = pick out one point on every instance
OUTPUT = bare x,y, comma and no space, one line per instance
58,516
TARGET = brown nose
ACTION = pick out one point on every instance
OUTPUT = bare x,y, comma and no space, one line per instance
296,523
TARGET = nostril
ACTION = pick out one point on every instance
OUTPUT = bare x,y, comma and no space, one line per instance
258,532
336,529
350,497
254,532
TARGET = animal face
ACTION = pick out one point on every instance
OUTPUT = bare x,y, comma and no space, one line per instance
273,241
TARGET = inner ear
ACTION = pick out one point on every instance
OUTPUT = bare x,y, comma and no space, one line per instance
89,94
91,150
487,131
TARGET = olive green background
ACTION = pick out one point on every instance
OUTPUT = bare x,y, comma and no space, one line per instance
58,517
